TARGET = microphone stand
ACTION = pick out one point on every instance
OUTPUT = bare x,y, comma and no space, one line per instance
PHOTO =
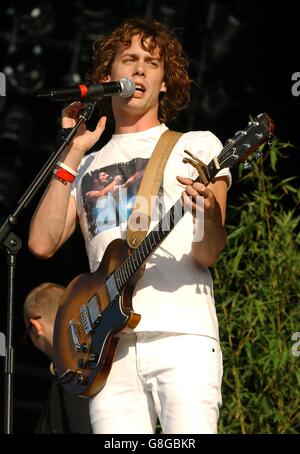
12,243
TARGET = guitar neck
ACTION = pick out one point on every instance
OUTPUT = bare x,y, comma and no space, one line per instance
139,255
236,149
165,226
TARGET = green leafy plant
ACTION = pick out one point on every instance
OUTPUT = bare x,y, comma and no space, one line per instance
257,292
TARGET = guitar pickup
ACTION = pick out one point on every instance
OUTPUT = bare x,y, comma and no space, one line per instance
94,310
90,314
85,319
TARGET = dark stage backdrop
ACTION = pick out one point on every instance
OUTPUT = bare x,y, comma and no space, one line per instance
243,58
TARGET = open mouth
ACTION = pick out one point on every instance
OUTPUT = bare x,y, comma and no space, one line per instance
139,88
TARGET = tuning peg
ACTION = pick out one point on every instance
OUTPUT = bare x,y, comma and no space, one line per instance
258,154
247,165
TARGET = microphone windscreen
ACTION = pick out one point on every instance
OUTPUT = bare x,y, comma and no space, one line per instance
128,87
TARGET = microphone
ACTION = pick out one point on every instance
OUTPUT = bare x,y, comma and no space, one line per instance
94,92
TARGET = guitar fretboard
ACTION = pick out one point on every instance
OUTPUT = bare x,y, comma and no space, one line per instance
148,245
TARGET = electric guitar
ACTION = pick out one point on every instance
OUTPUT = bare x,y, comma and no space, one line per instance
97,307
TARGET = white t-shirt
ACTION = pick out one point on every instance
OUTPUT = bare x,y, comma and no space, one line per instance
174,294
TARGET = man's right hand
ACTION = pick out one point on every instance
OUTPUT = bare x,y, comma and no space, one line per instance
84,139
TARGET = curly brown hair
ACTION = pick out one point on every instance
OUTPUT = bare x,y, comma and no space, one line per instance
153,35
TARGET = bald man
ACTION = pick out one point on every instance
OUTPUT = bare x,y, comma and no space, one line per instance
62,413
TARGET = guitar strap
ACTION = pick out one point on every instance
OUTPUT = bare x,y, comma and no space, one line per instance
140,218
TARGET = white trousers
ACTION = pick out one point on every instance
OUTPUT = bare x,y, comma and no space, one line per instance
175,377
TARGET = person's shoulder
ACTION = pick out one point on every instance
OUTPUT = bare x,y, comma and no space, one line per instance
207,136
200,141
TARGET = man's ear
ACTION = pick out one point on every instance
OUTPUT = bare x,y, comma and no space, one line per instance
163,87
37,326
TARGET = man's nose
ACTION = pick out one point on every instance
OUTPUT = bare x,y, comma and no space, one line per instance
139,68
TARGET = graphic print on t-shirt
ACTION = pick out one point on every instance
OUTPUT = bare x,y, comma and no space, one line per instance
108,194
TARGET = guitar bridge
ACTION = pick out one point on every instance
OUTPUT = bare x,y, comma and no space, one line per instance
74,335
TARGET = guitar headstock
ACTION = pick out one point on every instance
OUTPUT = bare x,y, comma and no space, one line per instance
247,141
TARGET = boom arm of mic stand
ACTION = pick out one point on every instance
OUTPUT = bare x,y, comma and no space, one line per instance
12,244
